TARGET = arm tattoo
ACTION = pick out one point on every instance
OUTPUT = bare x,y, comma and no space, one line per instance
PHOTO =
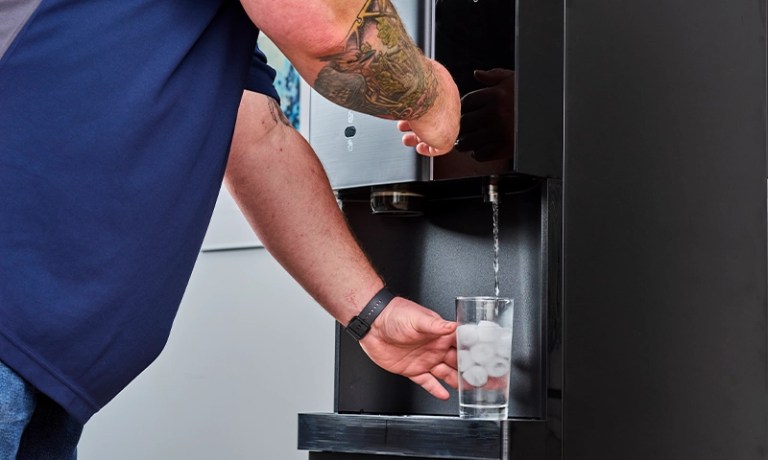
380,72
277,114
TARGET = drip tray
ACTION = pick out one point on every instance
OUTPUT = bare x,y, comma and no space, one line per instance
419,437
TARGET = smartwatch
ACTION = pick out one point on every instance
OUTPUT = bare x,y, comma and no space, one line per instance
361,324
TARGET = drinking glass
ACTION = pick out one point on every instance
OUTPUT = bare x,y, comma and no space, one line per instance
484,345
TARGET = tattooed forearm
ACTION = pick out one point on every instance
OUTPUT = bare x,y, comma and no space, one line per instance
380,71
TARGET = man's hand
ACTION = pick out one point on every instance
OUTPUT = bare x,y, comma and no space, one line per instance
435,133
415,342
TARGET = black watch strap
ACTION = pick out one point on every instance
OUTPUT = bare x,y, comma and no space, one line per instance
361,324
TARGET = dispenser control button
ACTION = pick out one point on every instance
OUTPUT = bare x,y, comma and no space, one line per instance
350,131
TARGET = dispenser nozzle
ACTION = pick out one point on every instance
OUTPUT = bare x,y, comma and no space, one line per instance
396,200
491,190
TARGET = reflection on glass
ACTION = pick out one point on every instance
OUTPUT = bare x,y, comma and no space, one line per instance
475,40
472,35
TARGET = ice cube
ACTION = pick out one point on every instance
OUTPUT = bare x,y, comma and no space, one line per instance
482,352
476,376
497,367
466,335
487,331
504,343
465,360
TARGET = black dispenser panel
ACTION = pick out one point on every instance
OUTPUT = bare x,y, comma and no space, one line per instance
445,253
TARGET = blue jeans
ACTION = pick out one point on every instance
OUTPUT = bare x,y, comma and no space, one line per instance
32,425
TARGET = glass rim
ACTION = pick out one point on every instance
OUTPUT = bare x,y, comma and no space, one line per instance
484,298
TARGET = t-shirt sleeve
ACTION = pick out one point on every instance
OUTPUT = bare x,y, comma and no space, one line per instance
261,76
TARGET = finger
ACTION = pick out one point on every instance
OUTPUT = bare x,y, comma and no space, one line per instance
410,140
447,374
451,357
430,151
430,383
404,126
433,325
422,148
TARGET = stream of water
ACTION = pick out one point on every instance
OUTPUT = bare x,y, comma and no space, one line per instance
495,206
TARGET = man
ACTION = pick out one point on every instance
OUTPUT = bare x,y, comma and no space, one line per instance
115,123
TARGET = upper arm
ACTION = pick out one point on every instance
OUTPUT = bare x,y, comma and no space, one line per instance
306,30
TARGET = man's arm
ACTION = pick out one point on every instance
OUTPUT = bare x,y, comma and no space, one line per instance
357,54
281,187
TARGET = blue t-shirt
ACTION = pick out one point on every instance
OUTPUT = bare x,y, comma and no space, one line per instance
115,124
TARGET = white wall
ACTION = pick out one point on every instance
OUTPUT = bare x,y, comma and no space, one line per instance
233,376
